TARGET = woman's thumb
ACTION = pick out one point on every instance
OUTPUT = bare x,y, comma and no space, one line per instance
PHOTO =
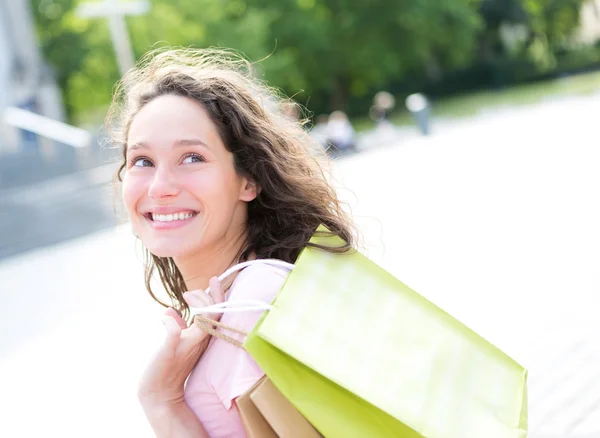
173,332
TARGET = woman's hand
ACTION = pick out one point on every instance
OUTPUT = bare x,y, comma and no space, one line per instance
162,384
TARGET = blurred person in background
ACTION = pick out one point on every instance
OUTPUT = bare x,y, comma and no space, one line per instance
214,172
340,133
383,104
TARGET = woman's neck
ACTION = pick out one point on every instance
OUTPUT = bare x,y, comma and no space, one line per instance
199,269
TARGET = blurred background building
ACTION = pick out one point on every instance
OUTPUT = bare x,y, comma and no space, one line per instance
26,79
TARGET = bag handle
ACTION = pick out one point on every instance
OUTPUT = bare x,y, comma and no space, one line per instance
211,326
241,305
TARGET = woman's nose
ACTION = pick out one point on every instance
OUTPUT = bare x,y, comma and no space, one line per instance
163,184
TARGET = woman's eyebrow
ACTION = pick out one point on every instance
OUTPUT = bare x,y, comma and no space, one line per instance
140,145
191,142
180,142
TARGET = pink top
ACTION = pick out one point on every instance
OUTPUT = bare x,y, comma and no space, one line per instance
224,371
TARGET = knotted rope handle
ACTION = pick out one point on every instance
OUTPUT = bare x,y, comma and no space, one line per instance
211,327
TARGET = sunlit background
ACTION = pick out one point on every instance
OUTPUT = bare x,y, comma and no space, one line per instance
465,140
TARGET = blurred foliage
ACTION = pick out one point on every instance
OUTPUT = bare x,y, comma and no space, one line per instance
345,48
328,54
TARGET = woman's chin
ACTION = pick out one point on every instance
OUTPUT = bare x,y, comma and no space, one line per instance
165,252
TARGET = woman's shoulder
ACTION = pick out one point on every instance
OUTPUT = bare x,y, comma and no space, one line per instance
263,269
259,281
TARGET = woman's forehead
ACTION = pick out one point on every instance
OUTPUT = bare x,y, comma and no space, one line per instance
175,120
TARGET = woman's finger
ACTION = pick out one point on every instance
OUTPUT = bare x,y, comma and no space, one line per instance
177,317
193,334
197,298
216,296
216,290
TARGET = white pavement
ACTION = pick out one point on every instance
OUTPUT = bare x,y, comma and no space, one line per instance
495,219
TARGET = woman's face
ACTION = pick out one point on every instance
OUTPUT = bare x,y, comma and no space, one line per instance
180,187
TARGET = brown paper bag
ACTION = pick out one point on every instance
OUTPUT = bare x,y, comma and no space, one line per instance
263,410
266,413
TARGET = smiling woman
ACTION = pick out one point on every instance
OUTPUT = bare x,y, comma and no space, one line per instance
214,173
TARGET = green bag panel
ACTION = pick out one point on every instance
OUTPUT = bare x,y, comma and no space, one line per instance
350,325
332,410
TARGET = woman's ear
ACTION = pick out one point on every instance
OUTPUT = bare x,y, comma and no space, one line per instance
250,190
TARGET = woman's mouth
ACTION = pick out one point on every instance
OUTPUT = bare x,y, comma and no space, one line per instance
170,220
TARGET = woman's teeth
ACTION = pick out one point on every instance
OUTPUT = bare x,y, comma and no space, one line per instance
171,217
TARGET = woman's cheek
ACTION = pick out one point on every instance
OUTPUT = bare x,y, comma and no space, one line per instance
130,192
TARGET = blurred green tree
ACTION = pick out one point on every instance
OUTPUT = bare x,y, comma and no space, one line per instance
340,48
554,19
549,23
495,14
81,51
323,52
347,48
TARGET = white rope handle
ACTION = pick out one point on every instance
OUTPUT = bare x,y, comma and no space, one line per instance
241,305
231,307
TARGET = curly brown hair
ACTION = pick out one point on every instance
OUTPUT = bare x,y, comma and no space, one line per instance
269,147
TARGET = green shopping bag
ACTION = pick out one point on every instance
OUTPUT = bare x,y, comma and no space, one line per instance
361,355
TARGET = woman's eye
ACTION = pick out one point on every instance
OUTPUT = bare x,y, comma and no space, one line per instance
192,158
141,162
